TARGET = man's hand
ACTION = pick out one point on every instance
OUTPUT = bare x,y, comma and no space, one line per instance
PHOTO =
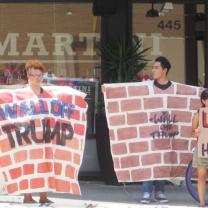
103,89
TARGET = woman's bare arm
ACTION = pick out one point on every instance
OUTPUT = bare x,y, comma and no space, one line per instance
195,125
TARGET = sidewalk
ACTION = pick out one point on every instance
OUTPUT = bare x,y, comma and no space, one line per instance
99,195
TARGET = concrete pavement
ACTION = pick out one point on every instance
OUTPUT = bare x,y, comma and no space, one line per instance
99,195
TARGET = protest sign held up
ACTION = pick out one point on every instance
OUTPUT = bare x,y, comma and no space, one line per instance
42,139
150,129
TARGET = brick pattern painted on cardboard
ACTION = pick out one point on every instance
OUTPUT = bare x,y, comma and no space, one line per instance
43,166
145,144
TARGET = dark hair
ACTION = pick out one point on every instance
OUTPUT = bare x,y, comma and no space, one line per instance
204,96
164,62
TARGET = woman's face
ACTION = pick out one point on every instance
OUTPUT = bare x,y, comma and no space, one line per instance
205,102
35,76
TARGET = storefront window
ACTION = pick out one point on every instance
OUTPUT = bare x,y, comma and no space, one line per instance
62,35
164,34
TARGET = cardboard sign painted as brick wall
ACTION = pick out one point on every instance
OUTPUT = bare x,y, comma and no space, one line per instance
41,139
203,133
150,129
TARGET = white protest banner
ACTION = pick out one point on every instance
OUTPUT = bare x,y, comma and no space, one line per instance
42,139
150,129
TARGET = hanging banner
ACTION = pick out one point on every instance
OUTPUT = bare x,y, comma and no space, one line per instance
42,139
150,129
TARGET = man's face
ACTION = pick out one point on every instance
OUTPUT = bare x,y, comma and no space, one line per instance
157,71
35,76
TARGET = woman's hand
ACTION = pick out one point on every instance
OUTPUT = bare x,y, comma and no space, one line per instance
195,133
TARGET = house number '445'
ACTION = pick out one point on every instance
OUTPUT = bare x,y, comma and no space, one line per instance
169,25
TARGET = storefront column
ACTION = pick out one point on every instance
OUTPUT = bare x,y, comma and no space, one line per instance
191,70
118,25
114,26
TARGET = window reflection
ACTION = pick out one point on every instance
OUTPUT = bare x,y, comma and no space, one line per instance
62,35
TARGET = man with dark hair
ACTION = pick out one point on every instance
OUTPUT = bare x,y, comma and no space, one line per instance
164,62
160,70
